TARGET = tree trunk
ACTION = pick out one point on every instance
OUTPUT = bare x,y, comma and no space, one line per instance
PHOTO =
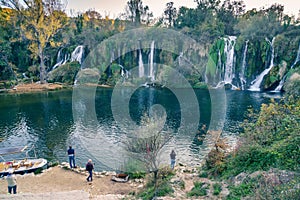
42,65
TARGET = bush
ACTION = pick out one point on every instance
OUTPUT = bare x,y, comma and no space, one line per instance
217,189
270,140
203,174
198,190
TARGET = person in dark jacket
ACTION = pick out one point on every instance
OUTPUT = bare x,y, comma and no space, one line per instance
89,167
71,154
173,159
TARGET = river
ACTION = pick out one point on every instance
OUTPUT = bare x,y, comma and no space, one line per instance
49,121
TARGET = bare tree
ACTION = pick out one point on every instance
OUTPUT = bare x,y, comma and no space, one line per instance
148,143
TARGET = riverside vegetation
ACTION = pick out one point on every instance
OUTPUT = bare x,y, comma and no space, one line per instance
265,163
40,42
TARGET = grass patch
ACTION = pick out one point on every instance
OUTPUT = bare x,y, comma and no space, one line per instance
217,188
162,187
242,190
198,190
203,174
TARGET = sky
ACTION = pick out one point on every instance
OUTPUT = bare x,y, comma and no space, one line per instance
113,8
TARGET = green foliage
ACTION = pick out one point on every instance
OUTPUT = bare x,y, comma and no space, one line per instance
199,189
160,187
65,73
217,188
242,190
270,139
203,174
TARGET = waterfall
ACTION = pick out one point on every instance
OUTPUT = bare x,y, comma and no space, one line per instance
150,61
229,51
281,83
227,69
112,56
242,74
141,64
257,82
60,60
77,54
297,58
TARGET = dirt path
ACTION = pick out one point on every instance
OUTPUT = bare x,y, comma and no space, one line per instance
57,179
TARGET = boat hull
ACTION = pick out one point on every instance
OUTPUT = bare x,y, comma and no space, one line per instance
22,166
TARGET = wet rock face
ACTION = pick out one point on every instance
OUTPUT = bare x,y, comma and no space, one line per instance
292,85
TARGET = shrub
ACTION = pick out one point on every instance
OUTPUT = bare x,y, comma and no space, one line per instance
198,190
217,189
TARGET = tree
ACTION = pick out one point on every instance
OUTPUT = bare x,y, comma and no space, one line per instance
265,23
149,142
228,13
39,21
137,12
170,14
6,71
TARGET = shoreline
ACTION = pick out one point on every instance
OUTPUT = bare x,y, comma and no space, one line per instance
62,181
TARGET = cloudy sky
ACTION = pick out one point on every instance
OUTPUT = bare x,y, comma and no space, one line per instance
114,7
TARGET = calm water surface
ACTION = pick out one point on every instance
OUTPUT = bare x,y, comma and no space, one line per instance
46,120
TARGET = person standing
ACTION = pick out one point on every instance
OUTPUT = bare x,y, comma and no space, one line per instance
173,159
89,167
11,182
71,154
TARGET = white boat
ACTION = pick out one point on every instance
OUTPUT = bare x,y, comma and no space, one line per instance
20,166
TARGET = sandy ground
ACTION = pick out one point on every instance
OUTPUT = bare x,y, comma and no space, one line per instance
66,184
35,87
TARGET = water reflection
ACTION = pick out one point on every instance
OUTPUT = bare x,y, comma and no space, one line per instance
47,120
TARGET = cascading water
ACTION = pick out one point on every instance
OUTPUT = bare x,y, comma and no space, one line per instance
297,58
281,83
227,68
150,61
242,73
141,64
229,51
77,54
61,59
257,82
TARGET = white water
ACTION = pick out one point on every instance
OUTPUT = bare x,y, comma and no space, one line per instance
257,82
242,74
281,83
141,64
228,67
77,54
124,72
150,61
297,58
60,59
229,51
